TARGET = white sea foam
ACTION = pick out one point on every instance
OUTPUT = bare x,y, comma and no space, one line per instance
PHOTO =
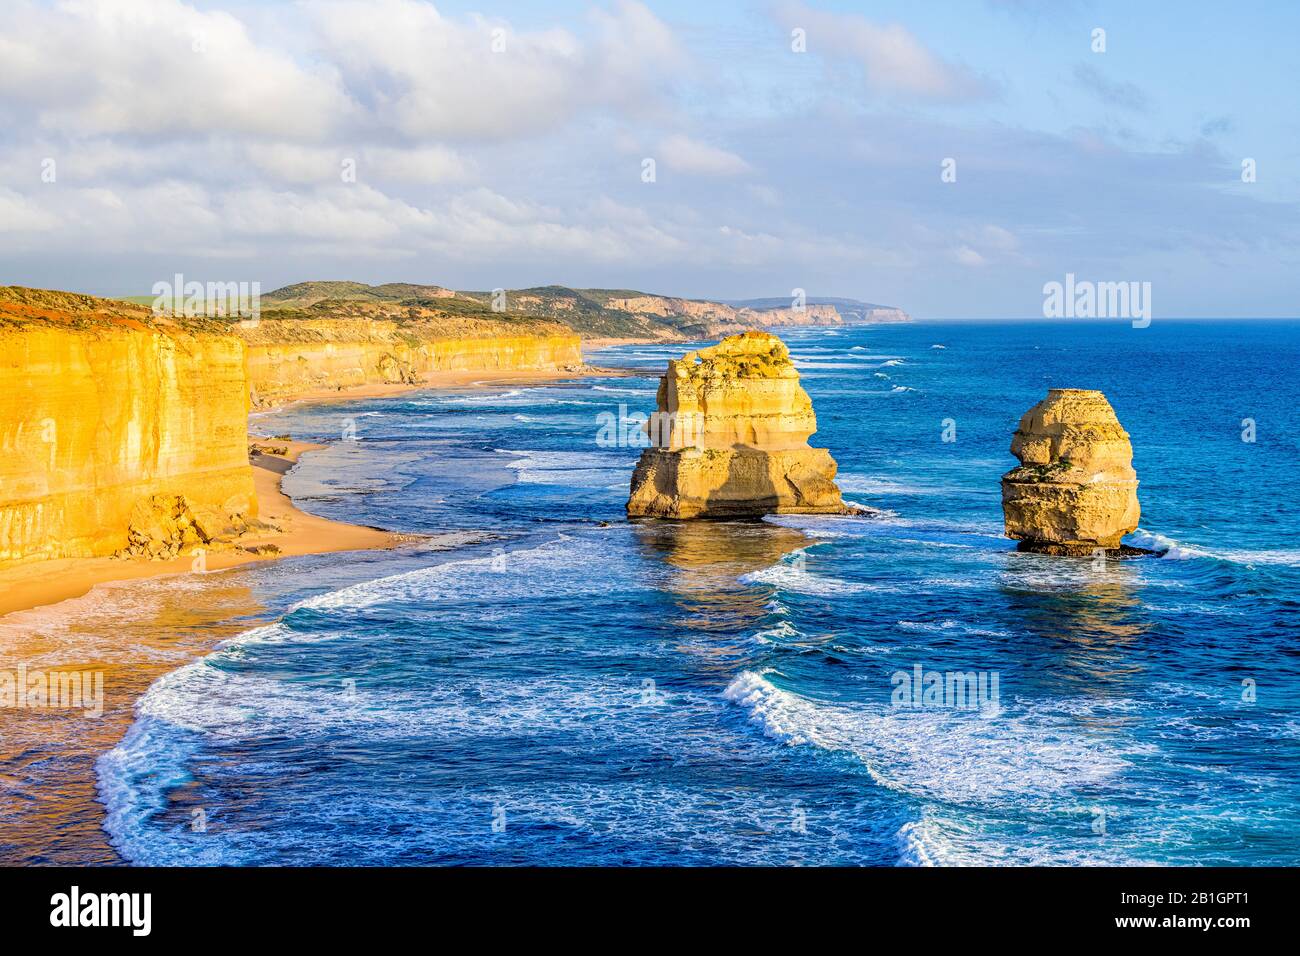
558,567
879,485
781,632
1174,551
1024,755
790,576
571,468
950,627
511,398
887,523
623,391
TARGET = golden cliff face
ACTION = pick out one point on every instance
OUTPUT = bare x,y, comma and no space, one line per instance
1075,489
732,434
102,409
808,315
125,432
289,357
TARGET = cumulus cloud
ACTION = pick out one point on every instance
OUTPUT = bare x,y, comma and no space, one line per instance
687,155
379,69
893,61
157,67
426,74
18,214
321,165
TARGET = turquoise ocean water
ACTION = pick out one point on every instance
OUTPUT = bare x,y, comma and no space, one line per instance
572,688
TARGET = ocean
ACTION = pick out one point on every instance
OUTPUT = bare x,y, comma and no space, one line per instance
567,687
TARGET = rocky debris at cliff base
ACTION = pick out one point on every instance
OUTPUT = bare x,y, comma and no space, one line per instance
396,372
261,550
737,443
163,527
1075,489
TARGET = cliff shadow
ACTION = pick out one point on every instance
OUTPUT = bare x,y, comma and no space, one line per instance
748,491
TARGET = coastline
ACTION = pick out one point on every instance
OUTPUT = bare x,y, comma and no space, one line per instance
34,595
439,381
43,583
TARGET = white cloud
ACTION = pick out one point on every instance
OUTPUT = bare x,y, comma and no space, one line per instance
322,165
157,67
687,155
425,74
18,214
893,61
294,163
425,165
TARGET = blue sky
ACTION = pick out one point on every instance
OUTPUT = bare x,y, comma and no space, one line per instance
208,139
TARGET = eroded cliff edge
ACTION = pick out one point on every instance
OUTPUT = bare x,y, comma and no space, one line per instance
330,349
731,435
126,432
105,408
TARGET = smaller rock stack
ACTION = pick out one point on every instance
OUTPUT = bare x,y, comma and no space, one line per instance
1075,489
731,438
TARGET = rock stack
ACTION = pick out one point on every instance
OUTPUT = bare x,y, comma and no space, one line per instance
730,438
1075,490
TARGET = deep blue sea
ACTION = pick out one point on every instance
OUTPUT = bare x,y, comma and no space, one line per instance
567,687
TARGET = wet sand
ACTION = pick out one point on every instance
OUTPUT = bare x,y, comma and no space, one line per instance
41,583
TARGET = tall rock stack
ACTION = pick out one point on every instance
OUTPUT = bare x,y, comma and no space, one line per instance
731,436
1075,489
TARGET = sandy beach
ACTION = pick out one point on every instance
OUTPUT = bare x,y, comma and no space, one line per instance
448,380
50,621
43,583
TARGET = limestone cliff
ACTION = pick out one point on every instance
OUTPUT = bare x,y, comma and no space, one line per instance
108,414
720,318
1075,489
731,438
288,357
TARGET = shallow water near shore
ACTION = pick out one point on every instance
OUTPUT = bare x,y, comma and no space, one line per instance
570,688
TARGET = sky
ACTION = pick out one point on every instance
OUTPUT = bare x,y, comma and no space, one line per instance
948,158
